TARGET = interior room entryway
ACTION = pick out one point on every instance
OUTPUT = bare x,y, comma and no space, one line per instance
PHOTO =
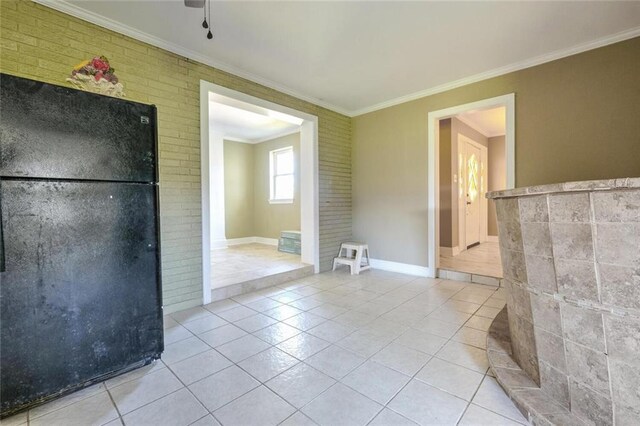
260,209
473,155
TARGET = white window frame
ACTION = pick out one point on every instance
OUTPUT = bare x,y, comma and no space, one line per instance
273,155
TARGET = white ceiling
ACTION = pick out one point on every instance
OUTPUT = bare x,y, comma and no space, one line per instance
242,122
355,57
489,122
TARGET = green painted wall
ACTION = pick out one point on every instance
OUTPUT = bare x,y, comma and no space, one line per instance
239,181
248,212
43,44
270,219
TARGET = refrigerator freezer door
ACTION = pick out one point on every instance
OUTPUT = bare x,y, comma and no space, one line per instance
80,294
55,132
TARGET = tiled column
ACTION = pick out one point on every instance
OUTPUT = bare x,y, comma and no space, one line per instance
571,258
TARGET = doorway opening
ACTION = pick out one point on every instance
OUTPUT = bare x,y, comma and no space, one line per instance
259,193
472,152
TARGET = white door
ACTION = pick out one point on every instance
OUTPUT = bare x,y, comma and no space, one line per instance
473,193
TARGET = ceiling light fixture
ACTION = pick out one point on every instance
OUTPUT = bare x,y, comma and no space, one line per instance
206,22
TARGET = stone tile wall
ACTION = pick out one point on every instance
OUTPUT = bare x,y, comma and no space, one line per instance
572,266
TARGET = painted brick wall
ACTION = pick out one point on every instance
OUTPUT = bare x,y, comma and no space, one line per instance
40,43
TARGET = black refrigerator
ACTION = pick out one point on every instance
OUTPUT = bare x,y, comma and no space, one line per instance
80,290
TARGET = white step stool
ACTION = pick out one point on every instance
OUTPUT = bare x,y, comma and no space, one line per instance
353,254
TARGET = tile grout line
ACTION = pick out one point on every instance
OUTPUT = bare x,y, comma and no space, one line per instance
114,403
349,308
434,356
393,341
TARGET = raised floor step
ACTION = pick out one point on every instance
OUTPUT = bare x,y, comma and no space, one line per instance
449,274
260,283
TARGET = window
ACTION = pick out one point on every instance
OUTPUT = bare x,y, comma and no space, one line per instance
281,175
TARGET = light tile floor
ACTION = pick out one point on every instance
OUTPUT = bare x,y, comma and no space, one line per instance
244,262
483,259
379,349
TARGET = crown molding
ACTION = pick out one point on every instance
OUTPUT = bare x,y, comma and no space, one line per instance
101,21
85,15
538,60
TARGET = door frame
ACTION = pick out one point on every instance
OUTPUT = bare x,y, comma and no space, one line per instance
433,181
309,194
484,205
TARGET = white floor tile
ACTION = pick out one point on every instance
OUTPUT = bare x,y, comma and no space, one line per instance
19,419
439,328
479,323
391,418
268,364
183,349
303,345
385,326
423,342
221,306
276,333
222,335
478,416
263,305
331,331
400,358
72,398
283,312
376,381
328,311
208,420
465,355
237,313
190,314
204,324
491,396
307,303
223,387
97,409
180,408
300,384
146,389
488,312
134,374
427,405
452,378
242,348
200,366
304,321
259,407
254,323
363,343
341,405
298,419
335,361
471,336
175,334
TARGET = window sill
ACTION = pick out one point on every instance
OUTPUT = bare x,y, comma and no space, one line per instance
280,201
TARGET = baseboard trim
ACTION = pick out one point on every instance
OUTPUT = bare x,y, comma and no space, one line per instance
450,251
238,241
492,238
250,240
267,241
219,244
402,268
